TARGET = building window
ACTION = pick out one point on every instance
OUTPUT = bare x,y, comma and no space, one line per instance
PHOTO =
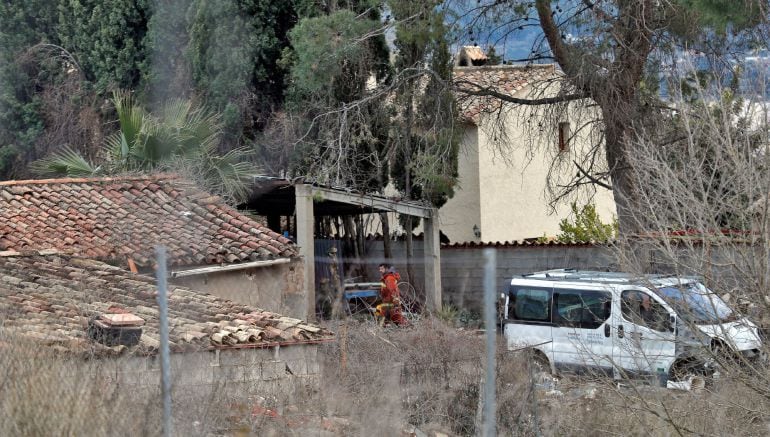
563,136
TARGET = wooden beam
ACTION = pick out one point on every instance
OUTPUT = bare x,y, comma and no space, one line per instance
376,203
226,268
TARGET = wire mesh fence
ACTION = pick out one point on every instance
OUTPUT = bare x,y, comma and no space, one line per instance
430,377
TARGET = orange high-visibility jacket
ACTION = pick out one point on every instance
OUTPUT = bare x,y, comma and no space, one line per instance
389,292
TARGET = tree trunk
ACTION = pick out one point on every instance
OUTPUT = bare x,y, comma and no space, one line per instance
386,247
352,240
408,184
409,251
336,283
614,92
361,248
622,186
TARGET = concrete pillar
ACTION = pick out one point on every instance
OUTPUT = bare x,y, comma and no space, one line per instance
432,251
306,242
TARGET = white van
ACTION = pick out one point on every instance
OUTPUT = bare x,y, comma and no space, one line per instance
623,325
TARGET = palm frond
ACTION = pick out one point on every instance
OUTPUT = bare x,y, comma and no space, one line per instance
232,171
148,141
131,118
67,162
204,130
175,113
117,151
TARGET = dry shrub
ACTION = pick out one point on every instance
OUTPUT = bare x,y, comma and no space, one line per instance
45,392
49,394
643,410
516,392
374,382
426,375
430,376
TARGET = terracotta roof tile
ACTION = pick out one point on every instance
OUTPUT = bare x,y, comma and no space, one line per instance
506,79
106,217
67,292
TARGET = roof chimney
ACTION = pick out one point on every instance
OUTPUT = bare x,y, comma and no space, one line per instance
471,56
116,329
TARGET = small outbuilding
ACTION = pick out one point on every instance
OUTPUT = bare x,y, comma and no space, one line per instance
211,246
82,307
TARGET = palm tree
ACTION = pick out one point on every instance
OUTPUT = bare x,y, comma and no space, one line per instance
180,137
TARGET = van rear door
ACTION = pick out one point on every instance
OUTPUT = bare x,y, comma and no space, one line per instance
528,322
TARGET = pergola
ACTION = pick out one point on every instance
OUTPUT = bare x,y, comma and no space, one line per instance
275,197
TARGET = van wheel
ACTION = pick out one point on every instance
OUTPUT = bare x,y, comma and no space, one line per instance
541,367
682,369
689,370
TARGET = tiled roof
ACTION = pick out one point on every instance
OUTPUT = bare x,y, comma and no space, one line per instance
521,243
118,218
506,79
529,242
50,299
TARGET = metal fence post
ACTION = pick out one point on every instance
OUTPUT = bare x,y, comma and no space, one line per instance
490,325
165,372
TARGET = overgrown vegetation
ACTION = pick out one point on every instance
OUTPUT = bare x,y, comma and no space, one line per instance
586,226
375,382
315,90
179,137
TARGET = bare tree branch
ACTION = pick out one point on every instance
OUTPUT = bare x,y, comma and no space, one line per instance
591,178
479,90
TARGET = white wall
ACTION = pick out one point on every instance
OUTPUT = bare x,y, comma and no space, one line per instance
278,288
458,216
513,172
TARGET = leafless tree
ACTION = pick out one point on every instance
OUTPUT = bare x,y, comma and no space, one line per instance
607,52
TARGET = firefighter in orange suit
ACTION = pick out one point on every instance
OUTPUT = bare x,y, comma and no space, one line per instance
390,308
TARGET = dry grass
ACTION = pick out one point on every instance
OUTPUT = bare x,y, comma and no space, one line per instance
375,382
45,394
384,382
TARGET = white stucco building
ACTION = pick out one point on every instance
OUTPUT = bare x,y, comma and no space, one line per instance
510,152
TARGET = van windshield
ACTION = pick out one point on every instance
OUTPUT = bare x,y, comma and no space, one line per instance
697,304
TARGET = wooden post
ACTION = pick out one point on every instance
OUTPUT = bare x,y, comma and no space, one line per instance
305,225
432,252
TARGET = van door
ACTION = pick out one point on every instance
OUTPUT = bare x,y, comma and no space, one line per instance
581,334
528,321
643,336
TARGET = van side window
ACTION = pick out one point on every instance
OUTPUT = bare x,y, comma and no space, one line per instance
581,308
531,304
639,308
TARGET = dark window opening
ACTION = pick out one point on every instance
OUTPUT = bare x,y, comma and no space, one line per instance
581,309
563,136
640,308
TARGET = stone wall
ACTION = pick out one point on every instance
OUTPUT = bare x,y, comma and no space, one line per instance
282,374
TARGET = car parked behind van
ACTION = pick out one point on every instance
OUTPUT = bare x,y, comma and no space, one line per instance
624,325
